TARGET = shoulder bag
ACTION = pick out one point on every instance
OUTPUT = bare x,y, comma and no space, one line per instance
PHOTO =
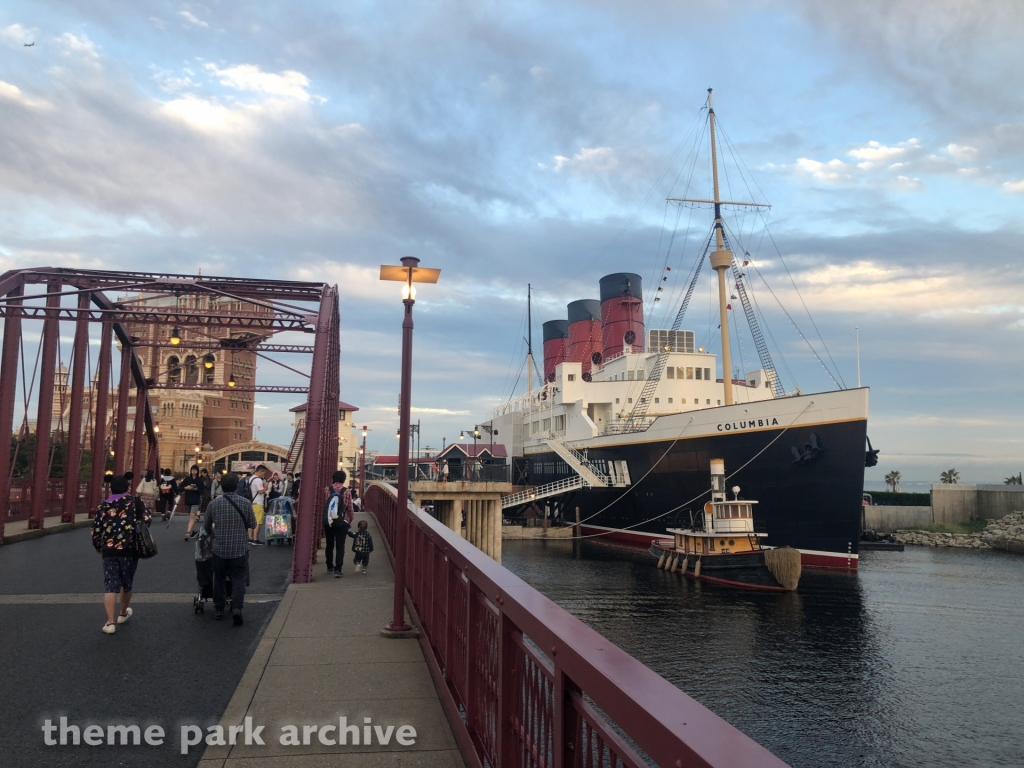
145,546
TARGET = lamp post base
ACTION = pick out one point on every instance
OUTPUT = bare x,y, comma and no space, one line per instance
401,632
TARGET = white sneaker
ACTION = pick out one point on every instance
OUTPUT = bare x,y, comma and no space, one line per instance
109,629
123,617
358,567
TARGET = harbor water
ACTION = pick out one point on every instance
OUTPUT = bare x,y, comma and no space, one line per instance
916,661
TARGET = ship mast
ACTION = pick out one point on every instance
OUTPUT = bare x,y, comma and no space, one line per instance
529,356
721,258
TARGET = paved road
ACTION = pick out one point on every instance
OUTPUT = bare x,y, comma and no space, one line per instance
166,666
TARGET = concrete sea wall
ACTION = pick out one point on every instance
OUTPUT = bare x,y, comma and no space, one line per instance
889,519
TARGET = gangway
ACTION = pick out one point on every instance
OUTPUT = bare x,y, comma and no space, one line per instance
544,491
580,464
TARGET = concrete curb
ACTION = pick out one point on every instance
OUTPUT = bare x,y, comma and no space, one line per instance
38,533
234,713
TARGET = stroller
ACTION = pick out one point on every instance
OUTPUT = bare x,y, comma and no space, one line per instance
204,573
277,526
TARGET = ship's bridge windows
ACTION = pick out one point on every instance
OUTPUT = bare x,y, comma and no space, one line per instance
707,374
670,373
699,372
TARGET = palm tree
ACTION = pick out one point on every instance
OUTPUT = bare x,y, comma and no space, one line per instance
893,479
1014,480
950,477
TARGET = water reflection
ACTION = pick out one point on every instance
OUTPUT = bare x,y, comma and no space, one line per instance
917,661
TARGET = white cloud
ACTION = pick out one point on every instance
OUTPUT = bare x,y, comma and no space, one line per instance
157,22
875,286
192,21
962,151
588,160
14,94
80,47
874,153
248,77
832,172
1014,186
205,115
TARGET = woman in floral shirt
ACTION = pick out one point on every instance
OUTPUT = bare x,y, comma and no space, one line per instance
113,537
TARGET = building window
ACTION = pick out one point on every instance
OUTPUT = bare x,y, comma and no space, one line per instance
707,374
670,400
629,375
657,399
699,376
670,373
689,373
547,425
719,402
173,370
560,423
629,400
616,401
191,370
572,377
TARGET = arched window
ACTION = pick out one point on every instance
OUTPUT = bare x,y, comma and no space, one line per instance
173,370
191,370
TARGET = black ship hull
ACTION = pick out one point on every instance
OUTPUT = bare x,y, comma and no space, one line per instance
808,481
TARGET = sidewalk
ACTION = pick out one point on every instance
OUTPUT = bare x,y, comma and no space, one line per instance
322,658
19,530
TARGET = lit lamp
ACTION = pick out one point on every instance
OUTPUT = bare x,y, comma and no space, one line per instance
231,379
156,428
175,337
208,361
408,273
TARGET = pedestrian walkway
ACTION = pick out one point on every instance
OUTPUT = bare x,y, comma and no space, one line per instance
19,530
321,659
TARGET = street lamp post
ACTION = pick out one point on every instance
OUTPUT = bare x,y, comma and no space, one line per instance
362,467
409,273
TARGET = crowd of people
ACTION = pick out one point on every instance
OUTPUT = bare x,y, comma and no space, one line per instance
227,512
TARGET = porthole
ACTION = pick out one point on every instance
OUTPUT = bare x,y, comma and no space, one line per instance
721,542
732,542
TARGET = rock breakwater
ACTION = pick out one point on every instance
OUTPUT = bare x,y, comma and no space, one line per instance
1006,533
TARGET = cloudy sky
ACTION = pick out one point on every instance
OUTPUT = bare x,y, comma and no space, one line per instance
535,142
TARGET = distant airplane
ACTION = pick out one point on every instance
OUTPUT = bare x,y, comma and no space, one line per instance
29,45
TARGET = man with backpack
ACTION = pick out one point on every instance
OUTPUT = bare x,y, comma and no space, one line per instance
228,518
167,492
337,520
254,490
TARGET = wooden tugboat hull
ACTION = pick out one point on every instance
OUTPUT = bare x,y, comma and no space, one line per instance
745,570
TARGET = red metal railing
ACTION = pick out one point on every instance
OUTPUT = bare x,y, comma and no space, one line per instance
525,683
20,505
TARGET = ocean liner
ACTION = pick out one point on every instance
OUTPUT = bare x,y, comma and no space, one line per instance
628,420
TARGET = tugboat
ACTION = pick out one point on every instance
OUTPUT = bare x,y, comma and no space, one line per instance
722,547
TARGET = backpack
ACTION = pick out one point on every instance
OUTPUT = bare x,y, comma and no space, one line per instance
335,504
245,489
165,488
